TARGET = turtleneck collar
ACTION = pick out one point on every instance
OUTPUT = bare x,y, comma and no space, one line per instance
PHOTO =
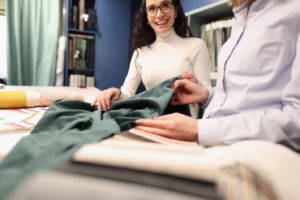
163,37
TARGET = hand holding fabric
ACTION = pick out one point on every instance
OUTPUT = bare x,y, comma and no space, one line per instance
103,100
188,92
175,126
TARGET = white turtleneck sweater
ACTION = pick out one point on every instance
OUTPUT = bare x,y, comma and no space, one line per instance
168,56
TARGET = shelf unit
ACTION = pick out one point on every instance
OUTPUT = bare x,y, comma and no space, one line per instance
80,48
208,13
212,12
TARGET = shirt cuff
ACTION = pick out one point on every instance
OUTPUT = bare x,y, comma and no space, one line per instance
208,132
211,92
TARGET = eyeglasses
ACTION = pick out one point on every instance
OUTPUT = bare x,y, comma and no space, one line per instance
165,7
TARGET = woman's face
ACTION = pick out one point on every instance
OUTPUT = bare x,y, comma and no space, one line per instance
161,15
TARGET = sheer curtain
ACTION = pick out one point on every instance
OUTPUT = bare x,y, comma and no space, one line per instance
2,43
33,31
3,66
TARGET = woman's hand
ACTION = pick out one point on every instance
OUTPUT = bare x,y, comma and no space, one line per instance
105,97
175,126
189,76
188,92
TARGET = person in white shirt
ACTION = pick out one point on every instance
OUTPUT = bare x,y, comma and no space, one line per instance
257,96
164,48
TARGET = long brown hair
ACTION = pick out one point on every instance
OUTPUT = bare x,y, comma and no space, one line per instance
235,3
144,35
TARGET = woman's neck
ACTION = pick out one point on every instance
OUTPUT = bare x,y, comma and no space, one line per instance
165,36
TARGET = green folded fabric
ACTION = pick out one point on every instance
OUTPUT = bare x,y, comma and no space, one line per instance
69,124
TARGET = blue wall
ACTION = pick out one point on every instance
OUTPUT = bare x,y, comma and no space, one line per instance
189,5
112,46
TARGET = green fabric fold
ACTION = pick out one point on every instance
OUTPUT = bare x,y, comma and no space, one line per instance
69,124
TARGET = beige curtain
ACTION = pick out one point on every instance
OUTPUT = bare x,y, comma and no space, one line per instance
2,7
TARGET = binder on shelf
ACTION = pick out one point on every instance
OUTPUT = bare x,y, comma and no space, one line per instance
77,80
90,81
81,80
74,17
81,51
81,14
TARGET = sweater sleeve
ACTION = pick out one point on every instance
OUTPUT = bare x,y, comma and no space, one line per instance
133,78
201,64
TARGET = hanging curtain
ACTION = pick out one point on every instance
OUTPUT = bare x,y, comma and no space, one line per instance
33,31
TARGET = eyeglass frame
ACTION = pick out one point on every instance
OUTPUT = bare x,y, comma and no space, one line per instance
159,7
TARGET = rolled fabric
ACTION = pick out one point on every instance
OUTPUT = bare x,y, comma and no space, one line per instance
13,99
26,99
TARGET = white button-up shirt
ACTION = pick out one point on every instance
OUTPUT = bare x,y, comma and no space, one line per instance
257,95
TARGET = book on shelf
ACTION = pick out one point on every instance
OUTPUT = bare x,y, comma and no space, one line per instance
81,14
90,81
81,80
74,17
81,51
76,8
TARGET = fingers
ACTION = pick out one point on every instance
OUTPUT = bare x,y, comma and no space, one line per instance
150,122
106,101
176,100
103,100
156,131
159,126
155,126
189,76
181,83
103,103
94,102
166,117
156,121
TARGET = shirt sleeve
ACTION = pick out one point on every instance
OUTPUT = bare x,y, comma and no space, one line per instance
133,78
211,91
279,125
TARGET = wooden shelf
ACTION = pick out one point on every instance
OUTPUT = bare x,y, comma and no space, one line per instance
82,31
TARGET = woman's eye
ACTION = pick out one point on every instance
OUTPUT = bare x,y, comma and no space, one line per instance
151,9
165,5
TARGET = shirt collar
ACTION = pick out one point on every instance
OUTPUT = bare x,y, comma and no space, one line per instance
244,7
166,36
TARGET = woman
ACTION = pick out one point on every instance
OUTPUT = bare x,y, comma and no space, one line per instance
257,95
164,48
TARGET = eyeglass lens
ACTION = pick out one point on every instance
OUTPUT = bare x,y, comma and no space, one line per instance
164,7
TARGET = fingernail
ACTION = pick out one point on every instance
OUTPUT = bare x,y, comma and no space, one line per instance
172,86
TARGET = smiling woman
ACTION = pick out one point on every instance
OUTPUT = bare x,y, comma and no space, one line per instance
163,48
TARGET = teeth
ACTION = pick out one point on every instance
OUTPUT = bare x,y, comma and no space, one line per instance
161,22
